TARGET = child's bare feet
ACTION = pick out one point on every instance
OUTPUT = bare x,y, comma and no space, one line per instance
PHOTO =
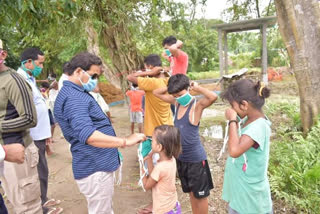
146,210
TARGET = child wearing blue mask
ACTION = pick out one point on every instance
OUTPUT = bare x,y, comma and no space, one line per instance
246,186
192,165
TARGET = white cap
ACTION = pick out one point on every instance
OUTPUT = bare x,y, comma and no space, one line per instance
1,47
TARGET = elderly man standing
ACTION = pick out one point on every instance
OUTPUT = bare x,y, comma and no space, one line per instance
17,114
87,128
32,60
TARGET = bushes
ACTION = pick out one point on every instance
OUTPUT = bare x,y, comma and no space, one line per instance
203,75
294,166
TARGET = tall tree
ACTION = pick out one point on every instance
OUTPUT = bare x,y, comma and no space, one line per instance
299,22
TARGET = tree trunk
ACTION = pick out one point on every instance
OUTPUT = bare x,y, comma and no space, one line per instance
116,36
93,47
299,24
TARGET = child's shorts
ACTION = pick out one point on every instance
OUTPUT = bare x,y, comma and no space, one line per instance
176,210
136,117
195,177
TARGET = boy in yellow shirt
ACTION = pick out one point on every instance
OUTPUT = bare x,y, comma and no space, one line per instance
157,112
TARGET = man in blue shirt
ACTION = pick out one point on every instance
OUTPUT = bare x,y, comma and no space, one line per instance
89,131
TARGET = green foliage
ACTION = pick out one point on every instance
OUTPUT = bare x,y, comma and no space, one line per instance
49,25
203,75
294,166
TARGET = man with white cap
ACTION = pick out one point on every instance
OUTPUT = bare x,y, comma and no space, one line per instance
18,154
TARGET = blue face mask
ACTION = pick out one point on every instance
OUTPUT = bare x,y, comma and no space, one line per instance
36,71
90,85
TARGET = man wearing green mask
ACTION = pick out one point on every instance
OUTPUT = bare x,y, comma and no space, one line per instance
32,60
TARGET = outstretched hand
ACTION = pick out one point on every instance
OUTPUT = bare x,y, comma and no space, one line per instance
135,139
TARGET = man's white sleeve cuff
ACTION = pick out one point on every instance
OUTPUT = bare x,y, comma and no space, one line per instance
2,154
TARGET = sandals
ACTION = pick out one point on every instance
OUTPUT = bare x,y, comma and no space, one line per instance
51,203
146,210
57,210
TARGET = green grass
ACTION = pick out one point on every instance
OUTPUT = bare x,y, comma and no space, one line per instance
215,74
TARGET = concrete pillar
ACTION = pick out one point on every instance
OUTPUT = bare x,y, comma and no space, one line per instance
220,53
225,53
264,54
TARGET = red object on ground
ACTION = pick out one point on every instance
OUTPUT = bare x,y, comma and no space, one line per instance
274,75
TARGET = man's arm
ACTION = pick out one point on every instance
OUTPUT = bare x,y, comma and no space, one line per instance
40,81
100,140
83,127
20,96
134,76
12,153
162,93
209,96
175,48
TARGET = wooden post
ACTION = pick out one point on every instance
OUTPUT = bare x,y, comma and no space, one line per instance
264,54
220,53
225,53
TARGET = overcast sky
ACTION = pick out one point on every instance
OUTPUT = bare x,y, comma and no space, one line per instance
214,8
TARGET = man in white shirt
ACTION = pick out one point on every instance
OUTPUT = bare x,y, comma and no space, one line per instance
64,76
102,103
32,60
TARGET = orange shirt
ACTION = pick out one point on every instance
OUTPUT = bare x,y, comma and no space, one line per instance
164,193
135,97
179,64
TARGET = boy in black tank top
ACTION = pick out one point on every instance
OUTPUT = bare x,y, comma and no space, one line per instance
192,164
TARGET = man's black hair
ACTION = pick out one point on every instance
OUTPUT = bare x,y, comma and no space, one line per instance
178,83
153,60
170,40
45,85
53,75
31,53
82,60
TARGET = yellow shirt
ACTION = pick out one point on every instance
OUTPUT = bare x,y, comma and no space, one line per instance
157,112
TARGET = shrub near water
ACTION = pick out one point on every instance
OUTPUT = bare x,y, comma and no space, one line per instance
294,166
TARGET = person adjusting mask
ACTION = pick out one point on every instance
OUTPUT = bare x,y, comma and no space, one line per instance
185,99
36,71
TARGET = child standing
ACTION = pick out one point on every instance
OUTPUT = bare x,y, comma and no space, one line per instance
193,168
166,142
136,115
246,186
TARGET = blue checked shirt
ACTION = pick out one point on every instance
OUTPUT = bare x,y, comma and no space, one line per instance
79,115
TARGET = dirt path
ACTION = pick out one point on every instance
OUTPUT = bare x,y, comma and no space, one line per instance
128,196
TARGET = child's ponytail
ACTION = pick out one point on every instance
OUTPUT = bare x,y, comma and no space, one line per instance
262,90
246,89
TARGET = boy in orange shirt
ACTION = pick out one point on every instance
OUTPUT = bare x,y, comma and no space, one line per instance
135,96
